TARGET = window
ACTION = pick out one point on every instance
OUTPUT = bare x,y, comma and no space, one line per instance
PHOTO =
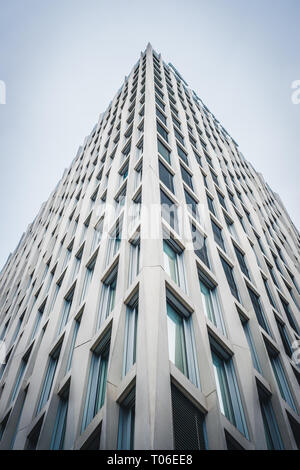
126,423
134,259
280,377
272,434
241,259
130,334
161,116
289,315
76,265
210,302
65,311
169,210
217,231
268,291
191,205
227,388
259,310
221,200
230,278
284,337
247,331
173,262
97,381
38,319
164,152
188,423
107,299
73,342
187,178
211,205
231,227
181,339
20,375
200,245
114,241
182,155
162,131
58,435
179,136
160,103
49,377
87,278
165,176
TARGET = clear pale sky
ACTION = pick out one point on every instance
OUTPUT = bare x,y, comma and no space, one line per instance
63,61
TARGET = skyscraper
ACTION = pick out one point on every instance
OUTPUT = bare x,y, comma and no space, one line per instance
153,303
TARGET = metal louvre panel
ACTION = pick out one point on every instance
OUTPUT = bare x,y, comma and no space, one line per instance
188,423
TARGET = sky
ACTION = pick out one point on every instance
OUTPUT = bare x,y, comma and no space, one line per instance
62,61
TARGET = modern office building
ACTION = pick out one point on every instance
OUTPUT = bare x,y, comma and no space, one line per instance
153,303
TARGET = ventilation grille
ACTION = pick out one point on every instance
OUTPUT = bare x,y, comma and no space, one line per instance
188,423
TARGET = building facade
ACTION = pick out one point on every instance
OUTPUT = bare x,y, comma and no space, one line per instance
153,303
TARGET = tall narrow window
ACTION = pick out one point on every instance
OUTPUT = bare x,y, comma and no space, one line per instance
134,259
221,200
280,377
241,259
76,265
181,339
200,245
188,423
187,178
231,227
211,205
98,230
217,231
55,293
20,375
227,388
284,337
73,342
49,377
230,278
247,331
259,310
65,311
107,299
38,319
268,291
162,131
169,210
182,154
210,302
126,423
130,335
58,436
191,205
87,278
173,261
164,152
273,437
165,176
289,315
97,381
114,241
